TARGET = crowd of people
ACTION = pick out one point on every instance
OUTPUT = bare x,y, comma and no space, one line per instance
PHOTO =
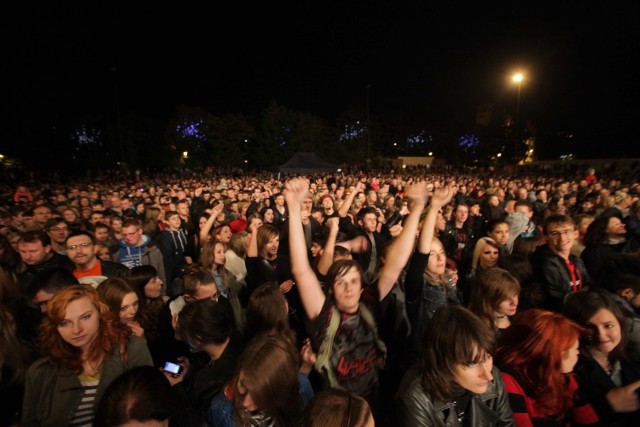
357,299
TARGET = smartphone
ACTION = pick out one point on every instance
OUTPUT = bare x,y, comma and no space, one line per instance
172,368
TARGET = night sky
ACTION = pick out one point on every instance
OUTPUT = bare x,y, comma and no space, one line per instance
427,63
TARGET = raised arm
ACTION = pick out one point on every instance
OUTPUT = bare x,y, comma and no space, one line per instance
311,293
440,198
346,205
402,246
326,259
206,228
252,248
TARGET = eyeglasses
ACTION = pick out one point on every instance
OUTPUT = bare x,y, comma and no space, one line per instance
557,233
59,229
79,245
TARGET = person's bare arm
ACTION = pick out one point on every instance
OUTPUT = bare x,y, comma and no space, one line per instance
402,246
326,259
311,293
346,205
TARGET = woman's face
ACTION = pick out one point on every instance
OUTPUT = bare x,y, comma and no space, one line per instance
508,307
271,248
218,255
153,288
104,254
224,235
475,377
346,291
268,216
441,223
245,394
570,357
488,257
81,323
437,259
69,216
129,308
201,222
607,333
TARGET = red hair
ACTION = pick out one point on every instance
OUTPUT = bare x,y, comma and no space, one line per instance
533,348
63,354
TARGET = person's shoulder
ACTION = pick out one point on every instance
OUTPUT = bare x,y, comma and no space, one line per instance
41,368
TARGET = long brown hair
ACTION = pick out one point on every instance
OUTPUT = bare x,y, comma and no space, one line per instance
112,291
267,311
63,354
492,287
269,367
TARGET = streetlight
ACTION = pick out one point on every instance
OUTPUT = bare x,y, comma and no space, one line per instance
517,78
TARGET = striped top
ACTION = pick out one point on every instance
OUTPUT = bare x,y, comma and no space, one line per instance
85,412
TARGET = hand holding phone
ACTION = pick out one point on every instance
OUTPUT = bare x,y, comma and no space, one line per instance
172,368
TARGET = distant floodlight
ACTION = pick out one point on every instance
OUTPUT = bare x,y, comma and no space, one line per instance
185,154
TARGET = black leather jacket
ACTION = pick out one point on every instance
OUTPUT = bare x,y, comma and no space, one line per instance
416,408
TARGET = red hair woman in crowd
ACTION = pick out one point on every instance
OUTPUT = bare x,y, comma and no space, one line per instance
537,355
84,350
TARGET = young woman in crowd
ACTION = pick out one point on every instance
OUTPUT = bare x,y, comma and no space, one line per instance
149,288
494,298
537,355
609,379
83,350
485,256
454,382
266,390
213,260
427,286
123,301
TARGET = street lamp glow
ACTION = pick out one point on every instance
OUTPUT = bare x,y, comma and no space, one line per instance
517,78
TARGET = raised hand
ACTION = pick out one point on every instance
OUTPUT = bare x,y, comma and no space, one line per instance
443,195
296,190
417,193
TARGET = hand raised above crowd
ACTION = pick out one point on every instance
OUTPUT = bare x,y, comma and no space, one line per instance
296,190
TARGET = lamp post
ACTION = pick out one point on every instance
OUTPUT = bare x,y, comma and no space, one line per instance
368,127
517,78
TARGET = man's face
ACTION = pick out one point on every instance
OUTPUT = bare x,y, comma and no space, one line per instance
523,194
42,214
525,210
174,222
542,196
125,204
96,218
280,200
59,232
462,213
41,299
80,250
33,253
183,209
306,205
132,235
616,228
561,237
369,223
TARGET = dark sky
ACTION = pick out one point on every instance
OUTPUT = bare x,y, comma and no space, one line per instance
430,63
